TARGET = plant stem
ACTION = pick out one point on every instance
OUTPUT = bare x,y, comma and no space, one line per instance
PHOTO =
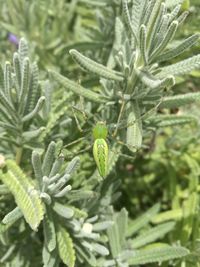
18,156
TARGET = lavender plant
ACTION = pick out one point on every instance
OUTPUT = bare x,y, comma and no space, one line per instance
60,213
139,84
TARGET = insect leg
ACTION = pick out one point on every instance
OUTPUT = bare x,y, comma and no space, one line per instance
119,117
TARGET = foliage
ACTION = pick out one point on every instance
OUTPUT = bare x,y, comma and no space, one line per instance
55,208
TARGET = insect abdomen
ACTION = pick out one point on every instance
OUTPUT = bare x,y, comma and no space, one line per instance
100,152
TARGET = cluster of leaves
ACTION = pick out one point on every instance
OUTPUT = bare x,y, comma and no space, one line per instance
41,23
176,159
63,212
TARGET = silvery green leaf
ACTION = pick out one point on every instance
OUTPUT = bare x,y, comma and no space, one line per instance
100,226
77,88
182,67
96,68
157,255
12,216
143,220
63,210
152,235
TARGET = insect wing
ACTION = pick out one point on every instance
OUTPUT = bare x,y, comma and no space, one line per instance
100,152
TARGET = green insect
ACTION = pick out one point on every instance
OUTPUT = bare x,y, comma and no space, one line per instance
100,136
100,147
101,133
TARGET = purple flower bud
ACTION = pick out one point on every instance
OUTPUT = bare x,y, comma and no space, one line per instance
13,39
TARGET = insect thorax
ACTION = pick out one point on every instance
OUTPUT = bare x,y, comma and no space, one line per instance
100,130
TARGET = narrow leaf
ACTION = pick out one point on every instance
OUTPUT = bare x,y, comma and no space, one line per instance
134,129
77,89
152,235
128,19
179,100
96,68
168,37
175,214
157,255
26,197
174,52
65,247
34,112
63,210
141,221
49,231
49,159
182,67
171,120
12,216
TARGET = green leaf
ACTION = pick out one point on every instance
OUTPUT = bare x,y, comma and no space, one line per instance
128,19
171,120
12,216
63,210
33,89
49,230
143,43
95,247
152,235
167,38
141,221
174,52
114,240
49,159
153,82
137,13
56,166
23,49
190,210
162,29
36,109
117,232
175,214
77,88
122,220
7,80
73,165
78,195
26,72
182,17
152,34
5,103
134,127
50,259
86,255
179,100
65,247
29,135
100,226
157,255
156,6
96,68
182,67
174,11
119,31
148,14
17,70
26,196
37,166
